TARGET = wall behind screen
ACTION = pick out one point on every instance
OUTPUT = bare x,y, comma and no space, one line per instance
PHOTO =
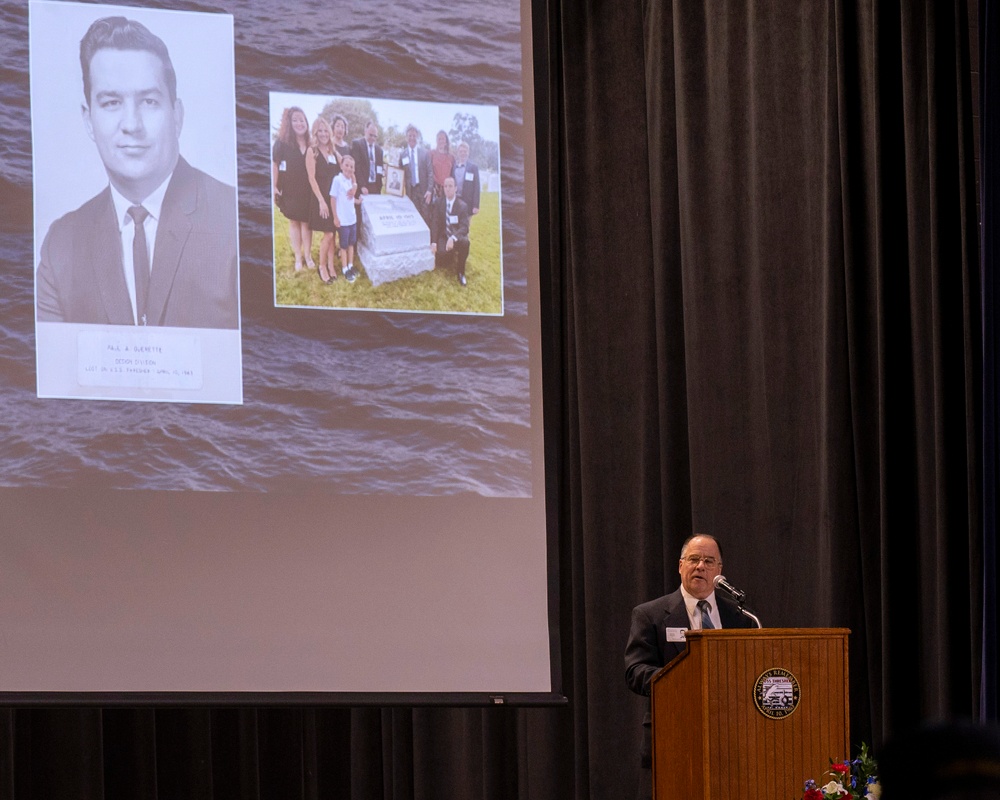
371,517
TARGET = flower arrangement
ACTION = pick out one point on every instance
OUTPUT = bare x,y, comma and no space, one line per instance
852,780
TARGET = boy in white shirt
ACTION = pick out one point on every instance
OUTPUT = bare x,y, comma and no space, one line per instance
342,192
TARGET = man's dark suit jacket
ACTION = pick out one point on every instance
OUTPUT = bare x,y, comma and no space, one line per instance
359,149
469,190
648,650
193,282
441,229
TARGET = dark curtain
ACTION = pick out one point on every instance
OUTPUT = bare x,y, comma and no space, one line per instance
762,321
989,72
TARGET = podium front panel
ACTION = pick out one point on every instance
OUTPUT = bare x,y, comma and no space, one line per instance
748,714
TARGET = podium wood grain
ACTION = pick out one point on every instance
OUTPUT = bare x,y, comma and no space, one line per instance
710,742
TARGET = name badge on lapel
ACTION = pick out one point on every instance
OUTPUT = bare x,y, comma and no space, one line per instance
676,634
453,219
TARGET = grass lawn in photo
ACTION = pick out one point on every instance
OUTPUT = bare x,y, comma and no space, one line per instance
437,290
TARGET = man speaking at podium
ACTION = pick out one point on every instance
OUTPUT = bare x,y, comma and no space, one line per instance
657,634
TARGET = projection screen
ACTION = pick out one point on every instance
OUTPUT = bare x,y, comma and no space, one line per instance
250,451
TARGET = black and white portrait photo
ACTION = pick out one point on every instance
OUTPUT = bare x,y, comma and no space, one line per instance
136,217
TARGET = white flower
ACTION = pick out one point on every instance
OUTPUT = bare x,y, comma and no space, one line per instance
833,787
874,791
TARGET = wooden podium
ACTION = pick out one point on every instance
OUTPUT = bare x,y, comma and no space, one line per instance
750,714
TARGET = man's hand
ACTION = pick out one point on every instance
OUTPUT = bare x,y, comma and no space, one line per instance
451,243
475,211
434,248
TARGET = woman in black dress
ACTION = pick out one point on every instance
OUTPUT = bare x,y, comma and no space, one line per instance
290,182
340,143
322,165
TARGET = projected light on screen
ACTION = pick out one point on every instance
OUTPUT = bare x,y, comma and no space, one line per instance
337,484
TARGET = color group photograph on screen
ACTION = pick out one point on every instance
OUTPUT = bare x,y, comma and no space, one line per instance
386,204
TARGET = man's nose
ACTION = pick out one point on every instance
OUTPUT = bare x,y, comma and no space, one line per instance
131,117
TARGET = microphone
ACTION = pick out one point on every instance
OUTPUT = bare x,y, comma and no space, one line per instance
721,583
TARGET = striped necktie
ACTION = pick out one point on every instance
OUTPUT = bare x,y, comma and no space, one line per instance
706,619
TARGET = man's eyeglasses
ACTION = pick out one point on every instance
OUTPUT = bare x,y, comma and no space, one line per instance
695,560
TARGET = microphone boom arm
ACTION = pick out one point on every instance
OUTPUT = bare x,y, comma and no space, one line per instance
751,615
720,582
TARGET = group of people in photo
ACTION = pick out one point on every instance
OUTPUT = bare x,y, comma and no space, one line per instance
308,168
320,179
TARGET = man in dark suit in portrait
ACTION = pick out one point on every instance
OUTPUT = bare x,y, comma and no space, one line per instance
416,169
450,231
158,245
656,635
466,175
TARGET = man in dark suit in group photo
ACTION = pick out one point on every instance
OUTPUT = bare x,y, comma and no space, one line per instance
466,174
415,161
450,231
656,636
158,246
369,168
368,162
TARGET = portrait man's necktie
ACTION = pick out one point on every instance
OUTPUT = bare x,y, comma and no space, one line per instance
140,262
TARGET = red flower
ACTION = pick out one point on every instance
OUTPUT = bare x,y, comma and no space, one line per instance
843,769
812,794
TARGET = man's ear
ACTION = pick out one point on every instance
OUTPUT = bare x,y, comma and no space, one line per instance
178,116
87,123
